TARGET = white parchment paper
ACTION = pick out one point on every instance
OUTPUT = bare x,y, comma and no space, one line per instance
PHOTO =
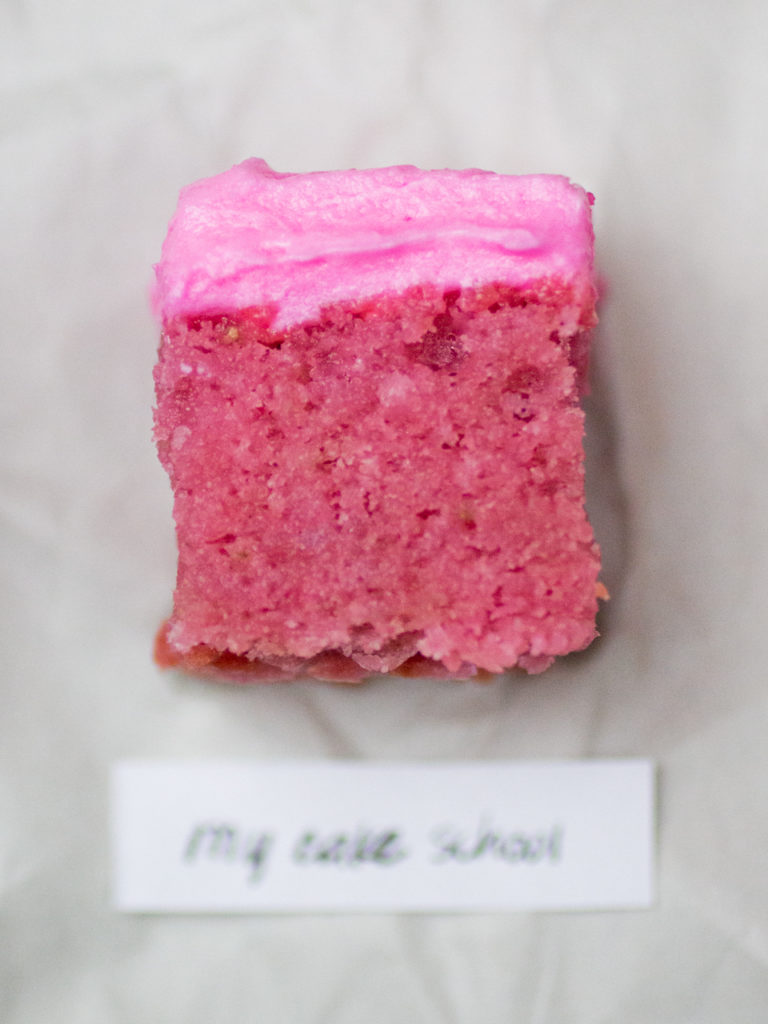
659,109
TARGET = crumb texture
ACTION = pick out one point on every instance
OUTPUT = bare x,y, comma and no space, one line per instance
394,486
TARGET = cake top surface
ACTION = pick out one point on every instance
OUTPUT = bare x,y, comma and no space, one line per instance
253,236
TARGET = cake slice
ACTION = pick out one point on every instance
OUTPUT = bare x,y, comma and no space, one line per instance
368,406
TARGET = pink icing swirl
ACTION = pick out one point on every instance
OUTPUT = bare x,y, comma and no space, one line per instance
255,237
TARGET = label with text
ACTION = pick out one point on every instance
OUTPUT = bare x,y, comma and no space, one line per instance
232,836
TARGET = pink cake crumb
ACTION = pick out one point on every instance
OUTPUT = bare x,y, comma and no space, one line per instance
377,483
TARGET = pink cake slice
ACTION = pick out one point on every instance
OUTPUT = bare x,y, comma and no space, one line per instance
367,404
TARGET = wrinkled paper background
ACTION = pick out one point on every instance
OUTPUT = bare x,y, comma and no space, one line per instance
659,109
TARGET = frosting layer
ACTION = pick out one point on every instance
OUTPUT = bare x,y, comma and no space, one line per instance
254,237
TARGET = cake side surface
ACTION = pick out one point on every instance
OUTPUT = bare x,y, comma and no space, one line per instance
394,480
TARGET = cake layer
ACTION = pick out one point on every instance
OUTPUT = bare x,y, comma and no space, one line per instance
293,243
397,485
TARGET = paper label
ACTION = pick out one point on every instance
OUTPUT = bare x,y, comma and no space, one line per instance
196,836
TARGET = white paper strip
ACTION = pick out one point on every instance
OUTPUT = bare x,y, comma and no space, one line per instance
194,836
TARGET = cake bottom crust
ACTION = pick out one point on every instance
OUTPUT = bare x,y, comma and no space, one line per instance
329,666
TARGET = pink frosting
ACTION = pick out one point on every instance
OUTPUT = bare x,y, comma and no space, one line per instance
252,236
